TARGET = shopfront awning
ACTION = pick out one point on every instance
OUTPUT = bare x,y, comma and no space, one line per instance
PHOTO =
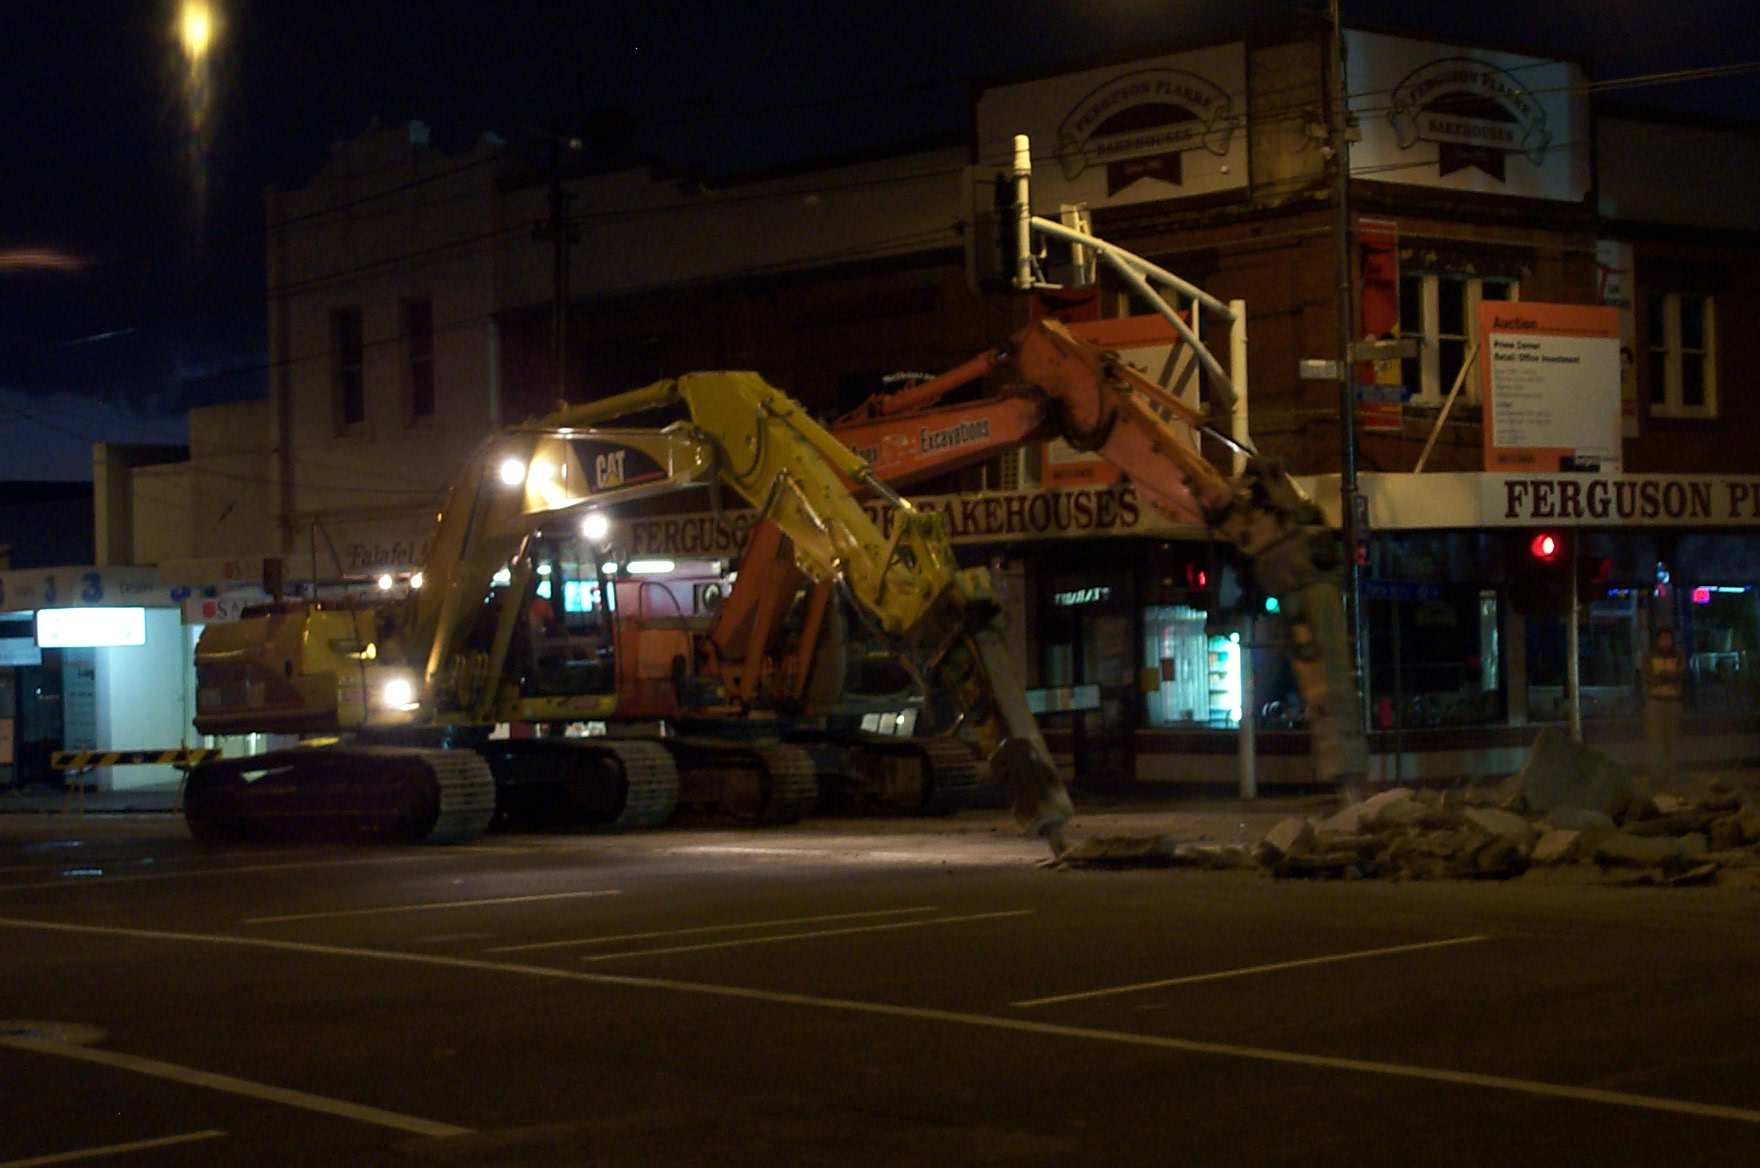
1470,499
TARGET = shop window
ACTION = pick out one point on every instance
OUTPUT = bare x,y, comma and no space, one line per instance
1177,649
348,368
1722,641
1442,309
1435,662
418,359
1682,366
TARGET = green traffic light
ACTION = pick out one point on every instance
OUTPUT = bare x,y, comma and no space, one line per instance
1271,604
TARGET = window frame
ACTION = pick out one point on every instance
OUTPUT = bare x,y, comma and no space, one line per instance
419,370
348,368
1672,351
1430,391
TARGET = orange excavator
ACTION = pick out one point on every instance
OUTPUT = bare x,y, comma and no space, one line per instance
1048,382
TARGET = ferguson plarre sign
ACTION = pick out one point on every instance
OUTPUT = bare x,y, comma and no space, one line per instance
1468,119
996,516
1620,500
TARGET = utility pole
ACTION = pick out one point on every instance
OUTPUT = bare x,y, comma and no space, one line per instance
1340,141
562,233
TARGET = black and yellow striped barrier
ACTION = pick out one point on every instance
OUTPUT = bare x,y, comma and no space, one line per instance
85,760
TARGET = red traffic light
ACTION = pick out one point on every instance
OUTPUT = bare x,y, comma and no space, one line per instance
1545,546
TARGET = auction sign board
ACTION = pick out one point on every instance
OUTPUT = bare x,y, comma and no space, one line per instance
1550,378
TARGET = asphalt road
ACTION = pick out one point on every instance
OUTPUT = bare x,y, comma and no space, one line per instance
847,993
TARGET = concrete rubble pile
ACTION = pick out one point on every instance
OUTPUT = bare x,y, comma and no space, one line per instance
1570,809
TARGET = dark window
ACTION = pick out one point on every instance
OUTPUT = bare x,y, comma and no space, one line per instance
418,339
348,367
1682,341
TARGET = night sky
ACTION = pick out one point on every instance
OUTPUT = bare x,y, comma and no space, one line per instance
131,278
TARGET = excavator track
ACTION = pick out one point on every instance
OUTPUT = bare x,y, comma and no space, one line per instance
467,796
374,794
752,782
559,783
953,775
876,773
794,784
650,783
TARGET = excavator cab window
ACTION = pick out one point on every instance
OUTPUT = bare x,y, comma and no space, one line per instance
571,647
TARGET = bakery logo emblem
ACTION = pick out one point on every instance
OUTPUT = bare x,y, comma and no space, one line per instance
1477,114
1139,125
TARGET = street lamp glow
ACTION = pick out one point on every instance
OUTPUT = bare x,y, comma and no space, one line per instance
595,526
195,28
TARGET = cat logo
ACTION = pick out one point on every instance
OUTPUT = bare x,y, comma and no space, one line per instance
608,470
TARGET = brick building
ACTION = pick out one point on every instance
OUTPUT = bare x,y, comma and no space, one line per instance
411,315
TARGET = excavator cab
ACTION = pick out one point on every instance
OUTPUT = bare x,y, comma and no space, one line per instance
565,642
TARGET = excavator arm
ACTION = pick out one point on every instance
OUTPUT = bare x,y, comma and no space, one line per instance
1057,385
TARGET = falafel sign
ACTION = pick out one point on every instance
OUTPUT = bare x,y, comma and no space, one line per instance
1439,116
1162,128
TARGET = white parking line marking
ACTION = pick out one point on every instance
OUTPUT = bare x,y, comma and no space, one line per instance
236,870
883,912
232,1086
1249,970
397,908
923,1014
1019,912
112,1149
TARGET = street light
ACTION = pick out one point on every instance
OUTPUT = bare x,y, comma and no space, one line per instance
195,29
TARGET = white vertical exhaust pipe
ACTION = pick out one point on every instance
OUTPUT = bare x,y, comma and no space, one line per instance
1023,213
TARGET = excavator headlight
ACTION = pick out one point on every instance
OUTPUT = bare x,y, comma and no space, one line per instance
513,472
397,694
595,527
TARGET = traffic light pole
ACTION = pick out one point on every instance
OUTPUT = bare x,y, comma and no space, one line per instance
1573,661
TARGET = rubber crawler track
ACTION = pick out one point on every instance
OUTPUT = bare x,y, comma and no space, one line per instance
792,787
651,782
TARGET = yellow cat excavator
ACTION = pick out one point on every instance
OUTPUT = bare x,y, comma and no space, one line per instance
400,702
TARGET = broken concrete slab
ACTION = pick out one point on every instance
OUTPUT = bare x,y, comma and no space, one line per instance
1564,773
1625,850
1502,824
1580,818
1289,837
1409,813
1121,851
1367,815
1558,846
1488,857
1218,856
1676,823
1699,874
1725,833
